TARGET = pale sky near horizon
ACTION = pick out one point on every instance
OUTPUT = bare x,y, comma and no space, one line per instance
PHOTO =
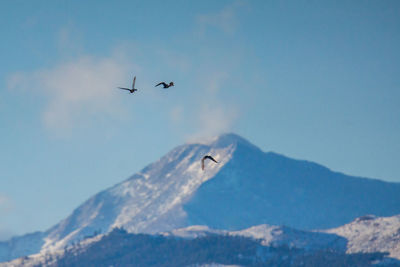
313,80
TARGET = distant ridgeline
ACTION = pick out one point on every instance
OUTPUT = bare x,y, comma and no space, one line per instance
119,248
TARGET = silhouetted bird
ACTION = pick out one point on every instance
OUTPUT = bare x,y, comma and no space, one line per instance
133,86
206,157
165,85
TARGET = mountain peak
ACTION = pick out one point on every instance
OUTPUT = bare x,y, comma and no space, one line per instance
227,139
246,187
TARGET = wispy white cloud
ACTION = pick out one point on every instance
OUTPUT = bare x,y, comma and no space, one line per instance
77,90
224,20
215,119
214,115
207,114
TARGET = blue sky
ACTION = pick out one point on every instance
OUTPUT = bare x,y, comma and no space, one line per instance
308,79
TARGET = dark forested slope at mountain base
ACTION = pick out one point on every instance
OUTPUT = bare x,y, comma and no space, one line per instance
122,249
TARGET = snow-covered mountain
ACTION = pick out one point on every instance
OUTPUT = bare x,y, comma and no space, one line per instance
371,234
271,235
21,245
247,187
150,201
274,242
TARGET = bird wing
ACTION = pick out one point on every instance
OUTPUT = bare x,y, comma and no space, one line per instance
206,157
209,157
133,84
163,83
124,88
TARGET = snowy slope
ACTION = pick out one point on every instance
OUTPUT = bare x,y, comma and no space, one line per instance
248,187
271,235
371,234
149,201
267,188
268,235
275,236
21,245
39,259
365,234
293,238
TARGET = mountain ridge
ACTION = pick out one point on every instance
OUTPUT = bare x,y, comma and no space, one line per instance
247,187
274,244
370,234
295,183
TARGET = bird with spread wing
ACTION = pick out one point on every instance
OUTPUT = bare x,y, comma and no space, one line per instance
165,86
206,157
131,90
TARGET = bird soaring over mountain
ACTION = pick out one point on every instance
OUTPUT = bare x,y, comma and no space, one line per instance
131,90
165,85
206,157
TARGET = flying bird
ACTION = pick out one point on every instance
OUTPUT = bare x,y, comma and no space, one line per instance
206,157
133,89
165,85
